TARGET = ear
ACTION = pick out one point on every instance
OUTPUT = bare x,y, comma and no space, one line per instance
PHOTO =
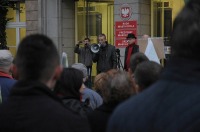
57,72
137,88
82,88
129,71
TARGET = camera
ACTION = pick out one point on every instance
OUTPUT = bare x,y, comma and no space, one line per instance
117,51
119,63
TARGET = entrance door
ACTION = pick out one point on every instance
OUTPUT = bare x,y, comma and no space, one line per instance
93,18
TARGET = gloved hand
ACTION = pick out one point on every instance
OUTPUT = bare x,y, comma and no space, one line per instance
78,44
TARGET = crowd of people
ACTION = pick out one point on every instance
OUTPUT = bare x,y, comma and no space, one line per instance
38,95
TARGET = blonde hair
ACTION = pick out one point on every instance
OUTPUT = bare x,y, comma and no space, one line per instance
101,84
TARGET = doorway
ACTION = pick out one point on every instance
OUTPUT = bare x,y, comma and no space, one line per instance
163,13
93,18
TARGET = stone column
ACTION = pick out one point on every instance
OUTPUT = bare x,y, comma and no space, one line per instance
68,29
56,19
50,20
44,16
31,16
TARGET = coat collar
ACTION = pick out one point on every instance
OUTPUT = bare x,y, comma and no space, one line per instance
2,74
31,88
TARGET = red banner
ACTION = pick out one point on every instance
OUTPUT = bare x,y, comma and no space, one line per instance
122,34
122,29
125,24
121,43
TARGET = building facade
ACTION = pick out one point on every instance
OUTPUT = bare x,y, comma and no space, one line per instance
68,21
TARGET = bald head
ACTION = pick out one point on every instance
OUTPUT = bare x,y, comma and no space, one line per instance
145,36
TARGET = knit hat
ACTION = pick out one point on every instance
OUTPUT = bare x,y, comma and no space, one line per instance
80,67
6,58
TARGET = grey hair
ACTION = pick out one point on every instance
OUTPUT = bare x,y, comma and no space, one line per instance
6,59
121,87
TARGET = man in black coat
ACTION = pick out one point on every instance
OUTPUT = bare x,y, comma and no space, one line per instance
32,106
172,104
106,58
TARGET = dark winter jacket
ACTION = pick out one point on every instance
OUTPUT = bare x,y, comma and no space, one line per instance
84,54
172,104
32,107
106,58
98,119
75,105
6,83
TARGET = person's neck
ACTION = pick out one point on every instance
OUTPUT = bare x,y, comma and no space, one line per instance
50,84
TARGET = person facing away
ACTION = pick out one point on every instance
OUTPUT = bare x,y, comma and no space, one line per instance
106,57
69,88
146,74
118,88
32,106
172,103
100,83
85,56
6,79
135,60
130,50
87,94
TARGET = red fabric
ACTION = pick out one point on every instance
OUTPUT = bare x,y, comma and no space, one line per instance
2,74
130,48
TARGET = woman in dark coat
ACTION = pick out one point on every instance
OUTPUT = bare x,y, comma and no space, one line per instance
68,89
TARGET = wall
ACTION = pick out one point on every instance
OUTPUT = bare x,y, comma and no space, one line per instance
44,16
140,12
54,18
177,6
31,16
